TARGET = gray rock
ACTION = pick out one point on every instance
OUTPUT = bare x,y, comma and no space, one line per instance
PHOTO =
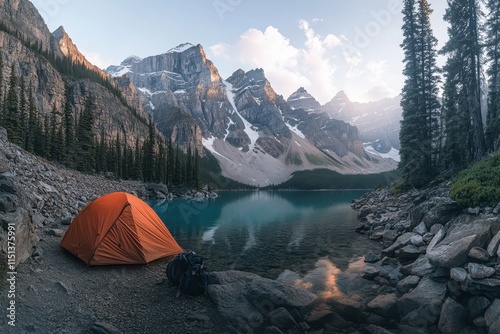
476,306
492,314
437,210
409,252
440,235
493,245
473,211
407,283
451,320
452,254
435,228
67,220
38,219
427,238
417,240
389,261
62,286
349,307
390,236
198,317
421,229
427,293
458,274
370,272
372,257
479,254
281,318
384,305
479,322
246,296
404,239
55,232
494,327
479,271
104,328
365,211
407,329
421,267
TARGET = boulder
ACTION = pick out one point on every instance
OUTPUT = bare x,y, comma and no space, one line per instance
492,314
427,293
476,306
247,298
390,236
436,210
479,271
349,307
409,252
493,245
384,305
407,283
417,240
458,274
479,254
370,272
372,257
462,236
421,229
281,318
421,267
438,237
373,329
104,328
451,319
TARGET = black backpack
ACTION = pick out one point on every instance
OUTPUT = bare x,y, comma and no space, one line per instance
189,273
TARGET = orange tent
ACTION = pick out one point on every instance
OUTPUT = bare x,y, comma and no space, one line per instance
119,228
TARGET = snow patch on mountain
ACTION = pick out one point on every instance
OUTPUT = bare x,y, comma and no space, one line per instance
181,48
392,154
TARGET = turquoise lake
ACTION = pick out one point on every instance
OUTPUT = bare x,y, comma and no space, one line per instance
305,237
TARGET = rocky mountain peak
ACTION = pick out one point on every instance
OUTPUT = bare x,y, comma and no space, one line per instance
302,99
182,47
70,50
131,60
341,96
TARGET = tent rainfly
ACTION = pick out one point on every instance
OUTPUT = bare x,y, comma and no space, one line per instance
119,228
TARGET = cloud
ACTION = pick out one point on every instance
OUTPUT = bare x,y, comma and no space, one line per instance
287,67
321,64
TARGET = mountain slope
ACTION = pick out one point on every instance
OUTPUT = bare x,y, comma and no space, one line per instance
24,29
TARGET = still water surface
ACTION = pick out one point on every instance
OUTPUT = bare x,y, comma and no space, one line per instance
305,237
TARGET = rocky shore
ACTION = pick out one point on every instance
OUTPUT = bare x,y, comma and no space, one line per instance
440,264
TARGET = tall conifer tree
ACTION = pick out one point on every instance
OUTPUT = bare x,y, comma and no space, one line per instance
493,57
419,127
464,133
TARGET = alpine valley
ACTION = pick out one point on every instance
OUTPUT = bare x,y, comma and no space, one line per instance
240,126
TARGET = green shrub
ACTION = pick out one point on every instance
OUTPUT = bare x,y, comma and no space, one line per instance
478,185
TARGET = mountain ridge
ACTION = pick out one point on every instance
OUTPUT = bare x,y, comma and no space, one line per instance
249,128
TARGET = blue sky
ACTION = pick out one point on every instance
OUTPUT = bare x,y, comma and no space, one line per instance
322,45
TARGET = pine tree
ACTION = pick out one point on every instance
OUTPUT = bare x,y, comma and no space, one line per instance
69,128
46,137
177,175
196,170
463,116
117,168
149,152
419,127
1,87
170,163
23,113
11,110
493,57
85,137
189,167
32,119
137,170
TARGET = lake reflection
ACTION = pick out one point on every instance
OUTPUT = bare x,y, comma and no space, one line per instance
306,237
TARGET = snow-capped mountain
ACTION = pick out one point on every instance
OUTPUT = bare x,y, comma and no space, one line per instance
256,135
378,122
